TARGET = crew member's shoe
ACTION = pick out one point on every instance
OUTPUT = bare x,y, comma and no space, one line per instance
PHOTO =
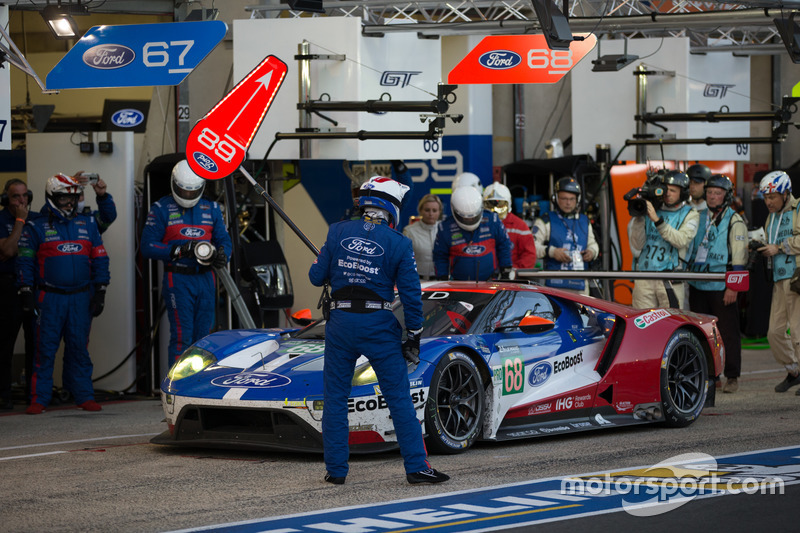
731,385
333,479
797,392
90,405
427,476
35,409
790,381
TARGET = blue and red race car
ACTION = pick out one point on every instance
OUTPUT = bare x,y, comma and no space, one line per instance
498,361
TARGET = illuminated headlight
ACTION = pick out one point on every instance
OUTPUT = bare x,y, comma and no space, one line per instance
191,362
364,375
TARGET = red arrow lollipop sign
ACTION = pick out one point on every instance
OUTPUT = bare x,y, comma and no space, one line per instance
218,143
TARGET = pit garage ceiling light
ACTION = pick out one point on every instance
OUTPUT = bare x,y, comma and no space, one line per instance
59,19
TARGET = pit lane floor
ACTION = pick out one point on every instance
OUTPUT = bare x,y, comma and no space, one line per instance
70,470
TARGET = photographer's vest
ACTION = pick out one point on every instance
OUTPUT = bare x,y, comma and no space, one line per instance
574,236
778,229
712,247
658,255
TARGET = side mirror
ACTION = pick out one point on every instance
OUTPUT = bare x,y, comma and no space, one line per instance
535,324
302,317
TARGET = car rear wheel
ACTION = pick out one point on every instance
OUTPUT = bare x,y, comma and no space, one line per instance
684,379
454,411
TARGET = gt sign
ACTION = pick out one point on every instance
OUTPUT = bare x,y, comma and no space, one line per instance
218,143
519,59
136,55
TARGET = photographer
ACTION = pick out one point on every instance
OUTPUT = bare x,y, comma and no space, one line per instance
720,245
782,230
175,226
659,236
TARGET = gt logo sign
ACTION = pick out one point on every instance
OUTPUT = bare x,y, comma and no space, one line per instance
738,280
652,317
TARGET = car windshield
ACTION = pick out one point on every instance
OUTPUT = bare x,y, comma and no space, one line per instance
443,313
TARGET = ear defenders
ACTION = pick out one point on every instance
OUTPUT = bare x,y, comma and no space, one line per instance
4,200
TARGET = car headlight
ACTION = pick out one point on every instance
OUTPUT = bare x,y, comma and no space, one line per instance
191,362
364,375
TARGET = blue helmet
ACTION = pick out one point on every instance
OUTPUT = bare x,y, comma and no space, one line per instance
383,193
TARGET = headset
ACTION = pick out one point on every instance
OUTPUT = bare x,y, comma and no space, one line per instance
4,200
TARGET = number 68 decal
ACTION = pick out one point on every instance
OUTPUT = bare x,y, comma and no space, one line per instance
223,148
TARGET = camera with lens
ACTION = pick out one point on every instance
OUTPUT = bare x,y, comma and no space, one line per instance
652,190
754,254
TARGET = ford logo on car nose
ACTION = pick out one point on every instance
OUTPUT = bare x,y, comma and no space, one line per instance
127,118
193,233
204,161
500,59
252,380
362,246
69,248
108,56
540,373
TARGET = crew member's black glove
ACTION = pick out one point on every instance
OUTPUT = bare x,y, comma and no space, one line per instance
411,346
98,301
507,273
220,261
27,302
179,251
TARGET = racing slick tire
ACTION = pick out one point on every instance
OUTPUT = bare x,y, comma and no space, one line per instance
684,379
455,408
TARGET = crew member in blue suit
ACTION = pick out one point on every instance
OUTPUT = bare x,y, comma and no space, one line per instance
471,244
363,260
175,225
62,271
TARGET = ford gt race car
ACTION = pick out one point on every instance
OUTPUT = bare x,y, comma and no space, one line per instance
498,361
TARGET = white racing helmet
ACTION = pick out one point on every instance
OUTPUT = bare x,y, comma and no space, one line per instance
187,187
497,198
467,179
467,206
776,181
383,193
62,193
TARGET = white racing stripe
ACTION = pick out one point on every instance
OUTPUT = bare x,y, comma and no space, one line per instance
30,455
235,393
58,443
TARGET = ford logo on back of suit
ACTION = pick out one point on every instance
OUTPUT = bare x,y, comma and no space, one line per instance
500,59
69,248
108,56
193,233
127,118
362,246
474,249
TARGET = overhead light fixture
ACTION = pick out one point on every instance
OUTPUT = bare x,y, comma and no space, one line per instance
555,26
59,19
612,62
313,6
790,35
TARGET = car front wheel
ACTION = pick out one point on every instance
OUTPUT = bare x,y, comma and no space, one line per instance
684,379
454,411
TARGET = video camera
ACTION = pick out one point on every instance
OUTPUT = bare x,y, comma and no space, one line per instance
652,190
